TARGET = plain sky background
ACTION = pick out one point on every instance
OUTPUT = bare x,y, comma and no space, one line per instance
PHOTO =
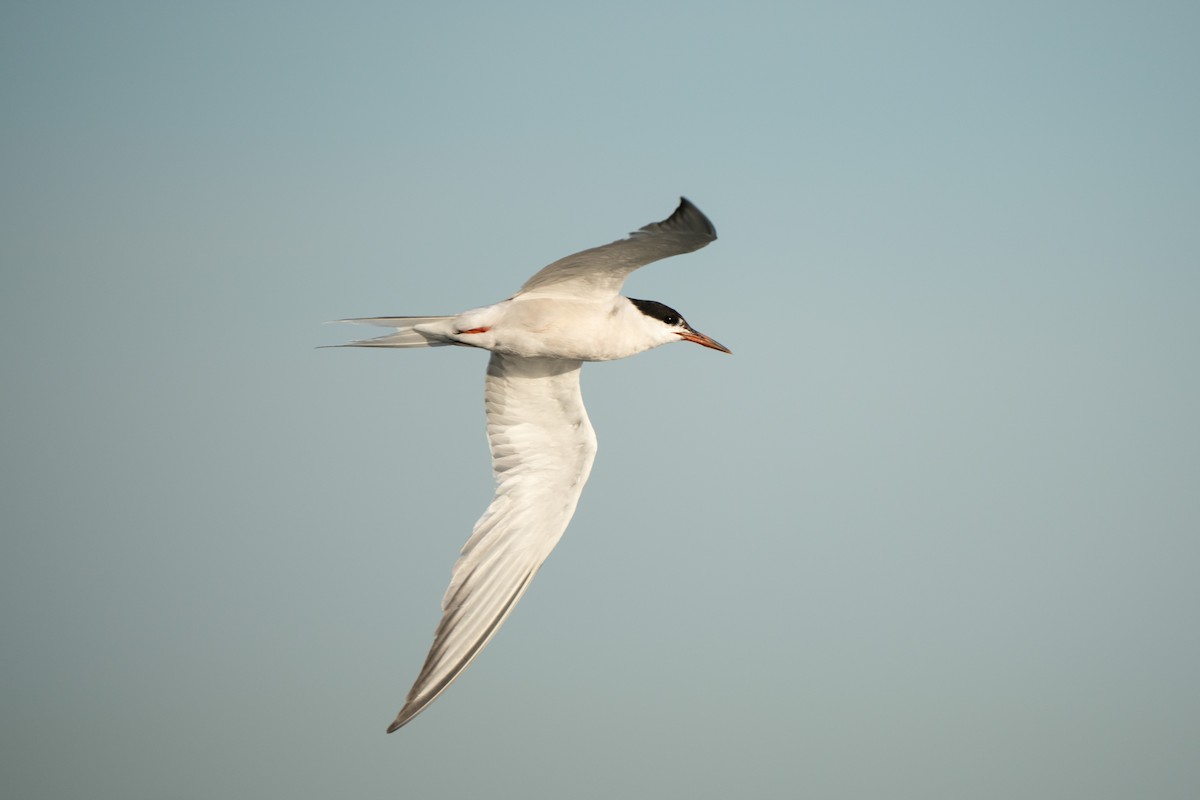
931,532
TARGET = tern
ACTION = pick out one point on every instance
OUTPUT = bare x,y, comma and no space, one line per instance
541,440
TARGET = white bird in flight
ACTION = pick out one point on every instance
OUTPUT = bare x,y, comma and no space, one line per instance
541,440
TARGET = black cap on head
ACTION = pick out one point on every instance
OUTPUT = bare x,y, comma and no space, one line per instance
660,312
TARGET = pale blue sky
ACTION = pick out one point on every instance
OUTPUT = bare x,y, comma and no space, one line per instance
930,532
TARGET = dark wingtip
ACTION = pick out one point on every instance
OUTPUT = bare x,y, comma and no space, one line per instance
406,715
687,215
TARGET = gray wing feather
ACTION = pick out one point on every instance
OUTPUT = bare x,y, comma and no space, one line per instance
602,270
542,450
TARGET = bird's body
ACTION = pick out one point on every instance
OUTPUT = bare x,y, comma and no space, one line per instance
537,327
541,440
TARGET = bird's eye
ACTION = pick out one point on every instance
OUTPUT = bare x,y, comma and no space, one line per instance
671,319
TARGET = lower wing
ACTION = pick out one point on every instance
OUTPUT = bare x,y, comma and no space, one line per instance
542,450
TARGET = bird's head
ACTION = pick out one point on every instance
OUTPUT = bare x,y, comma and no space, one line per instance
668,325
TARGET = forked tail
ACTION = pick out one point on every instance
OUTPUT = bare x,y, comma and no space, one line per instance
405,335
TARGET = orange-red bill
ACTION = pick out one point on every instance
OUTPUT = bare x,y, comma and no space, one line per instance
700,338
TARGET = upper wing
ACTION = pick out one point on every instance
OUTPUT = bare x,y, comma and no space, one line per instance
542,449
602,270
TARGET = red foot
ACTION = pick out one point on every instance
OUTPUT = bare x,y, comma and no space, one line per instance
476,330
